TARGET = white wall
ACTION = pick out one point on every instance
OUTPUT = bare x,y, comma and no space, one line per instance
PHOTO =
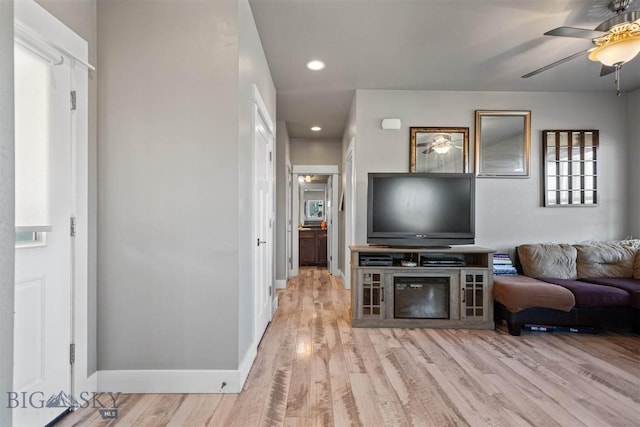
81,17
7,220
633,177
316,152
509,211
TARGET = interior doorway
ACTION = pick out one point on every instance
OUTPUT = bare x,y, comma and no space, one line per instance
264,215
51,191
312,220
349,209
314,216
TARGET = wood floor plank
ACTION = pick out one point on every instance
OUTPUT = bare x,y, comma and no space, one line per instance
130,417
367,405
224,411
411,403
320,387
158,414
195,410
345,411
313,369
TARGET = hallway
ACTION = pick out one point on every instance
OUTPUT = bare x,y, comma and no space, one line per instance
313,369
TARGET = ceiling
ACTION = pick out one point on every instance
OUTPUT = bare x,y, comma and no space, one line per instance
470,45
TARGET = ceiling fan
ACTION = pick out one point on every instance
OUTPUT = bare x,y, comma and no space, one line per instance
616,40
440,144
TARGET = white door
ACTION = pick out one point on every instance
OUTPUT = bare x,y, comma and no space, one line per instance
289,221
329,212
349,212
42,328
263,169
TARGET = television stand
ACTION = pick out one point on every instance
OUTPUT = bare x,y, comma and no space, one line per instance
422,287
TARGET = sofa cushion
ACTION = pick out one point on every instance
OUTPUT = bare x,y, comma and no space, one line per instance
630,285
593,295
634,244
604,259
519,292
548,260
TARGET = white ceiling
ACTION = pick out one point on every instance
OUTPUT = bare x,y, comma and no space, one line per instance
470,45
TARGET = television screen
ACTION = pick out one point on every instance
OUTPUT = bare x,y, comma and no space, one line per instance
421,209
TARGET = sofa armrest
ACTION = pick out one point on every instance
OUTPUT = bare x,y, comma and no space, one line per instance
519,292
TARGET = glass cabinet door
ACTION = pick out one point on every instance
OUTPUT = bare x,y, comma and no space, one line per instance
372,297
473,291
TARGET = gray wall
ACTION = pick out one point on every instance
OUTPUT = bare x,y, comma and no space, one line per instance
282,144
7,207
509,211
173,157
81,17
633,180
316,152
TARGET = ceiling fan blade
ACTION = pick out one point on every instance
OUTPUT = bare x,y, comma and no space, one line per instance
606,69
579,33
553,64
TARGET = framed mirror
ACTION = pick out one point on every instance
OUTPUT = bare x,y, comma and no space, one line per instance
436,149
570,167
503,143
314,209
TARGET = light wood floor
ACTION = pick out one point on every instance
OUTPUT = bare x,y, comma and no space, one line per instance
313,369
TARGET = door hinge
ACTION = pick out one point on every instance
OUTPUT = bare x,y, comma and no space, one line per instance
73,226
270,290
73,100
72,354
270,156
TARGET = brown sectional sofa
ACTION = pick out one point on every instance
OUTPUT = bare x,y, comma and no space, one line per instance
588,284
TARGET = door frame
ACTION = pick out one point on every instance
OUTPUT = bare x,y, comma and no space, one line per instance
260,109
332,250
349,170
33,22
289,222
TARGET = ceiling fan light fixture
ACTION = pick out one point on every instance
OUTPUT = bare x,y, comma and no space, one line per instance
619,46
442,148
441,143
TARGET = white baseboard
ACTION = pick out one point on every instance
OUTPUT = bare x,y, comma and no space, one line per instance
92,382
177,381
344,280
281,284
274,306
245,366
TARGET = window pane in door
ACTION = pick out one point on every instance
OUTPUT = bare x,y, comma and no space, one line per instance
32,118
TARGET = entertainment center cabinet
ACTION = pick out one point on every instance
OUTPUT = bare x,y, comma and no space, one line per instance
422,288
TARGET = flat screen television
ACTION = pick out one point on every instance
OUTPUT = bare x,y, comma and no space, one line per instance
421,209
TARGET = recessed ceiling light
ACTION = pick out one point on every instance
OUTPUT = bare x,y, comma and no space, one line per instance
315,65
316,128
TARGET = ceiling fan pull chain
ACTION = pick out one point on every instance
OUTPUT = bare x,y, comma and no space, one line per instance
617,79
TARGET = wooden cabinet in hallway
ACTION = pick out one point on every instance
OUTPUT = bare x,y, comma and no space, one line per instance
313,247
